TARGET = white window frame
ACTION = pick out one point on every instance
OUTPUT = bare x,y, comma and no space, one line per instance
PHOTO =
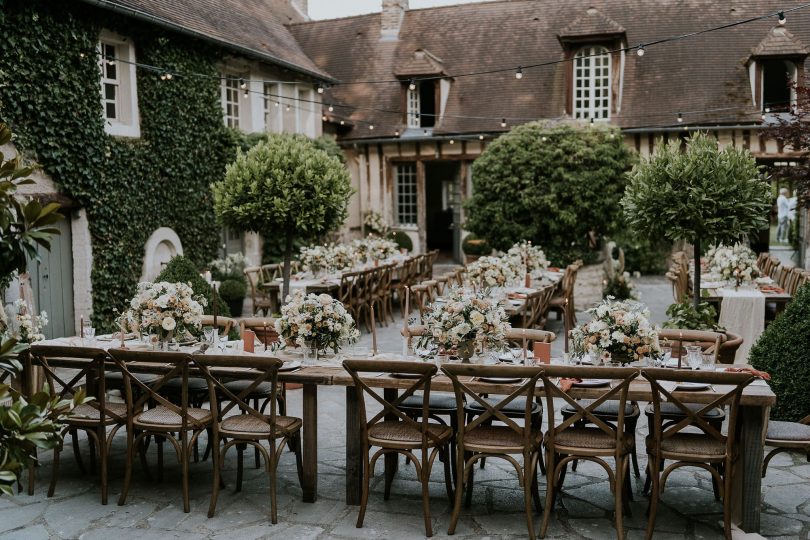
413,107
127,120
232,95
406,201
592,73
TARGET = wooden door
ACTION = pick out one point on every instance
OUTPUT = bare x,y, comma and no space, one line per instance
52,283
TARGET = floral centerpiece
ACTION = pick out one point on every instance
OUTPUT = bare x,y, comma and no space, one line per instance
318,322
466,318
314,258
374,248
491,272
620,330
21,325
375,223
732,263
524,258
166,310
342,257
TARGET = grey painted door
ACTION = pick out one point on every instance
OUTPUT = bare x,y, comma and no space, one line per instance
52,282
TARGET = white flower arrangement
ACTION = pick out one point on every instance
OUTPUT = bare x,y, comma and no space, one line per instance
331,258
464,317
523,257
317,320
491,272
617,329
166,309
375,223
21,325
732,263
233,264
374,248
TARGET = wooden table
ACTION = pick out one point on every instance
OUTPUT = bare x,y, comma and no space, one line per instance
755,404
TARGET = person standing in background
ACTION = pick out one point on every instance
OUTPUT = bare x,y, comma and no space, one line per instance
782,215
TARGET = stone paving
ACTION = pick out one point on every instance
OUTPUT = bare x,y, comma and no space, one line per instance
154,510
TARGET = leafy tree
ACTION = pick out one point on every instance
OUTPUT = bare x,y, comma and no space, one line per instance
793,132
702,194
285,187
556,186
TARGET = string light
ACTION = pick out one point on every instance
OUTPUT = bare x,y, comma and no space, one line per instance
680,118
480,137
371,127
288,108
782,18
324,118
169,76
320,89
331,109
396,133
81,55
162,76
452,141
519,73
503,122
275,104
246,94
640,50
342,122
544,139
412,85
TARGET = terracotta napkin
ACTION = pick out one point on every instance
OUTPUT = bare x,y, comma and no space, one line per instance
566,384
249,339
764,375
542,352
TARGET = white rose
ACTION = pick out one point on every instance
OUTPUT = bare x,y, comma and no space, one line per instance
168,324
325,299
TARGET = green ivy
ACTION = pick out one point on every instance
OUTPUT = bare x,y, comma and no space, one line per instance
49,95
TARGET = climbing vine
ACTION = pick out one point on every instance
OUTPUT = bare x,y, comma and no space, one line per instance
49,95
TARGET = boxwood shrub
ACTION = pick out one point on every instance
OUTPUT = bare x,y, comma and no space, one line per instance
181,269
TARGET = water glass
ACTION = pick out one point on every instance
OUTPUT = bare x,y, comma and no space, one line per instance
593,357
708,362
694,356
664,358
89,334
210,332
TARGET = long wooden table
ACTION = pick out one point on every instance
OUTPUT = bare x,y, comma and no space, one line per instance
755,404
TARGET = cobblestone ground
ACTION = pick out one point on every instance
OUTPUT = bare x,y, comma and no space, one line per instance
154,510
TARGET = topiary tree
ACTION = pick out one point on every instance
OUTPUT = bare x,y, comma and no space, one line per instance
702,194
556,186
783,350
285,187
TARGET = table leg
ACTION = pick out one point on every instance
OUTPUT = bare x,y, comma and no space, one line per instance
310,442
747,479
354,448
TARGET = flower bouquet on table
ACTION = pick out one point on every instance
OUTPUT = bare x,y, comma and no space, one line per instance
316,323
620,331
737,263
341,257
167,310
374,249
21,325
491,272
524,258
464,320
314,259
375,223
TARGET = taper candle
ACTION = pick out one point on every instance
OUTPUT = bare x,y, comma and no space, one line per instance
81,327
373,333
525,345
264,336
122,332
565,323
214,307
407,310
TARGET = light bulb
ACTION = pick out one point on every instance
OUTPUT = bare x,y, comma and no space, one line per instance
275,104
519,73
331,109
169,76
81,55
480,137
163,77
680,118
320,89
412,85
396,133
323,118
242,84
544,139
342,122
503,122
640,50
782,19
452,141
371,127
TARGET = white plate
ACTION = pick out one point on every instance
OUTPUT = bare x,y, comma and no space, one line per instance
516,302
500,380
290,366
592,383
692,386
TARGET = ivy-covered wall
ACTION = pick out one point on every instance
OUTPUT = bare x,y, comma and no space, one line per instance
50,96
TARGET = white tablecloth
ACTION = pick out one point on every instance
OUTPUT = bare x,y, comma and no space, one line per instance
743,312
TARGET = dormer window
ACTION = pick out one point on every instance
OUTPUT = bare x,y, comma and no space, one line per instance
421,105
773,68
423,100
778,77
592,83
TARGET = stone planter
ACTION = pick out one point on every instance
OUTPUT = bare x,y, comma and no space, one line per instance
588,288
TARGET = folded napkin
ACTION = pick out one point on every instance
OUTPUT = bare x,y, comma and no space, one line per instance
553,269
516,295
764,375
771,289
566,383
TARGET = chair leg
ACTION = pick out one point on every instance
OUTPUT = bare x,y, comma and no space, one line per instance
389,479
240,456
184,468
654,465
55,470
551,487
91,443
528,482
215,459
272,468
727,500
536,485
426,497
364,496
299,463
618,496
444,455
469,486
459,489
130,457
101,433
74,435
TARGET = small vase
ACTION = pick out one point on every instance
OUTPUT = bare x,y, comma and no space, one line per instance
465,350
620,359
310,353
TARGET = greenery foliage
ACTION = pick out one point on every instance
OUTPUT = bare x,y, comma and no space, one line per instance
556,186
642,254
402,239
784,352
232,289
702,194
686,316
474,246
285,186
181,270
130,187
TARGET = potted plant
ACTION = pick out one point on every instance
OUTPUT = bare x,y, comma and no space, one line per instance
475,248
232,292
402,239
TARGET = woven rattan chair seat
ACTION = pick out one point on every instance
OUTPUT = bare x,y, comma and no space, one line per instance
681,445
115,379
608,409
195,385
437,402
670,411
496,439
247,425
401,434
164,417
85,413
788,431
557,301
589,438
263,390
514,409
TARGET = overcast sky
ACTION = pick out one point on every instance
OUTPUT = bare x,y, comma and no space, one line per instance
330,9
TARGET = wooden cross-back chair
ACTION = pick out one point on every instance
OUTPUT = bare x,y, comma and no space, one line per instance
262,300
394,432
534,310
165,419
762,260
711,449
405,277
773,265
585,435
678,338
787,437
478,438
563,302
421,296
251,426
94,417
224,324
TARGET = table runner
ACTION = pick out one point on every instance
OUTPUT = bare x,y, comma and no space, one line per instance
743,312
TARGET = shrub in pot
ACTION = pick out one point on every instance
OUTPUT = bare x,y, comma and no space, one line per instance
402,239
783,350
232,292
474,247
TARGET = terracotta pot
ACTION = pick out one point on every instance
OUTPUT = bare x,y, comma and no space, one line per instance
729,349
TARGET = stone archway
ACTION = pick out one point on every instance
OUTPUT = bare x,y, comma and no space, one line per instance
161,246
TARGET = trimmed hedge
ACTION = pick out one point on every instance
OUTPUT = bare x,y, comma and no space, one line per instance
784,352
181,269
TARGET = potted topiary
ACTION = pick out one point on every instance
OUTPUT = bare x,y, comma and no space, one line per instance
232,292
403,240
474,248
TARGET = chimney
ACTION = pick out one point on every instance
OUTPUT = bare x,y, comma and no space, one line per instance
393,11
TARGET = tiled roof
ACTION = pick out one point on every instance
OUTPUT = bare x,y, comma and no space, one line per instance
780,42
420,63
591,23
255,27
704,72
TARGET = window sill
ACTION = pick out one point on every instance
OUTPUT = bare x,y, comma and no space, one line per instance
118,129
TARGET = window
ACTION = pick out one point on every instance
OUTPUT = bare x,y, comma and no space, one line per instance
305,115
777,80
421,105
230,100
272,110
405,194
413,108
592,84
119,95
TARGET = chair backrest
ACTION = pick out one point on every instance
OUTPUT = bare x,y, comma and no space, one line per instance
662,382
796,275
762,259
568,281
430,261
224,323
517,335
710,342
390,409
620,379
421,296
253,274
536,305
264,328
89,373
269,272
494,411
773,264
168,366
